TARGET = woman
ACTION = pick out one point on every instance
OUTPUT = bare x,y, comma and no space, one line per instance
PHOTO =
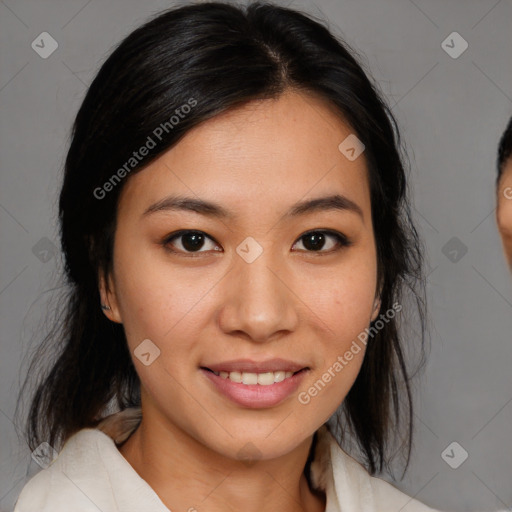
504,191
237,240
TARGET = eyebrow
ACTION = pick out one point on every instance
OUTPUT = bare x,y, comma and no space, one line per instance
212,209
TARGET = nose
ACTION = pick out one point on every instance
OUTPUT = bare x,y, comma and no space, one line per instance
259,303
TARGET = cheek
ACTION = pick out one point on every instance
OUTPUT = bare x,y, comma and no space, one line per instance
504,213
344,299
154,298
163,307
347,314
343,306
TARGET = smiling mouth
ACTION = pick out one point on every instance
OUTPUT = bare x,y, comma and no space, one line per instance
252,378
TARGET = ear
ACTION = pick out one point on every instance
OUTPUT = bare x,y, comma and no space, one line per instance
376,305
376,309
108,298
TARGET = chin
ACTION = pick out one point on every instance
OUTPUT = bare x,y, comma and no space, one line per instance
253,444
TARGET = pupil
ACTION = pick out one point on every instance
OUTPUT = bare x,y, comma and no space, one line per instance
317,240
192,241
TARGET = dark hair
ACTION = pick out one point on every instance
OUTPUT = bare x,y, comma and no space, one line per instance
504,149
219,56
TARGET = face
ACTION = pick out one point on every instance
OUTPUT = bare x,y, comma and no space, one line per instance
234,285
504,210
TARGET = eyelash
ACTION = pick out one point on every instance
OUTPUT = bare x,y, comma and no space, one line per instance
341,239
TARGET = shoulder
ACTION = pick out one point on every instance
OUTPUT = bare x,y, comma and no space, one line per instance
395,499
89,475
350,485
385,496
65,484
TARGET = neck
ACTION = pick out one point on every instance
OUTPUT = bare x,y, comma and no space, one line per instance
186,475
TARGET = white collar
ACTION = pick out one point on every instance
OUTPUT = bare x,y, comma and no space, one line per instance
346,483
90,473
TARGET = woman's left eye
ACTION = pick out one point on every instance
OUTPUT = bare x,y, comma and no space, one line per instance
316,240
313,241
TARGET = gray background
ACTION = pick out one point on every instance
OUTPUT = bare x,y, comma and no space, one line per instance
452,112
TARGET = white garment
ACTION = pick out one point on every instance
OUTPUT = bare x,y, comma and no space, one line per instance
91,475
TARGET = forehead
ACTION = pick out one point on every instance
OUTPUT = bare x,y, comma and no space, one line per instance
267,152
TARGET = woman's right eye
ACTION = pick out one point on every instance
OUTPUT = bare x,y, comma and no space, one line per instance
190,242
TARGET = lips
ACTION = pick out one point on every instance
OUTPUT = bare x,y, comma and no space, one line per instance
249,392
255,384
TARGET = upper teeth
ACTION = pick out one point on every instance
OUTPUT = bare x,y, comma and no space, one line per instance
264,379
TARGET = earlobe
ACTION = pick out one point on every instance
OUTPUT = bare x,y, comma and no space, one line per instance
108,299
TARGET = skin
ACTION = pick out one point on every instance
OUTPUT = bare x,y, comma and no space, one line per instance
504,210
291,302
